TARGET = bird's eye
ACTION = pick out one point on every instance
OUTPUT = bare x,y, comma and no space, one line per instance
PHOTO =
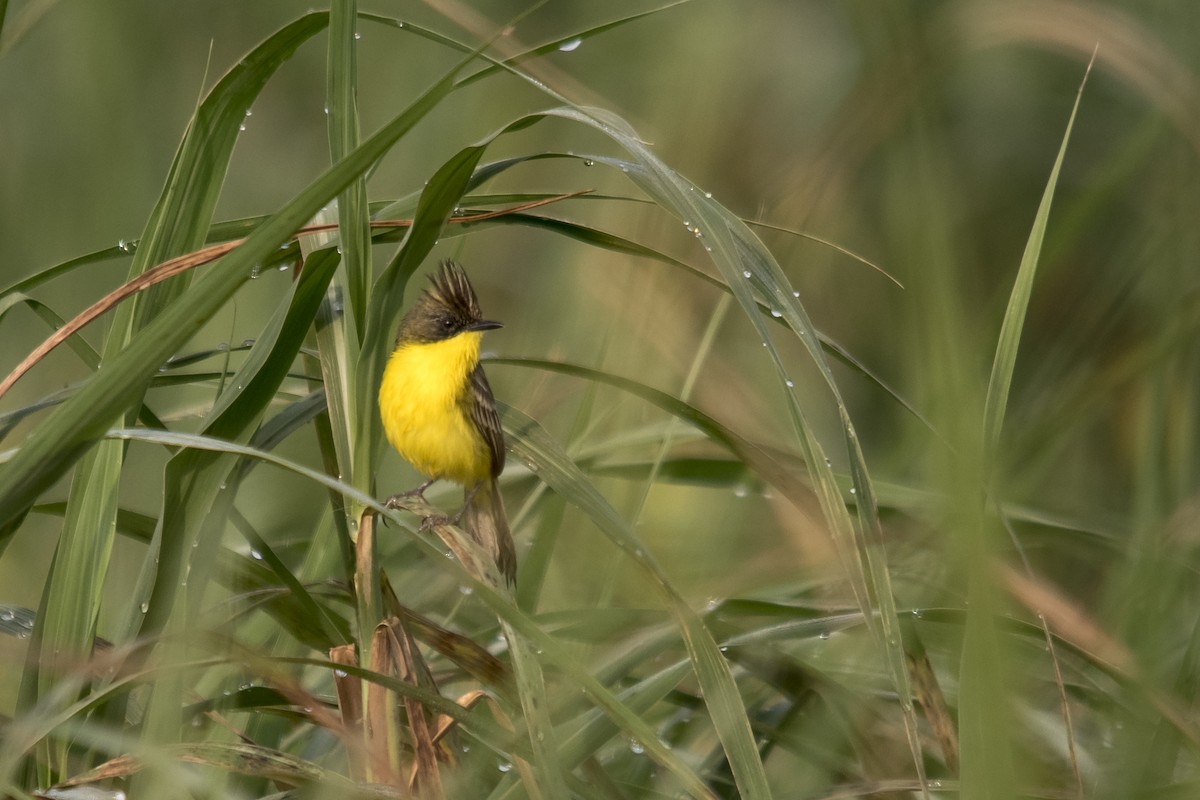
447,324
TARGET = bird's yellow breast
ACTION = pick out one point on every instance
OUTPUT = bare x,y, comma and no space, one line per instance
424,401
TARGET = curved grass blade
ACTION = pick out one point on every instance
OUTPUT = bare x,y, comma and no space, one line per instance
86,353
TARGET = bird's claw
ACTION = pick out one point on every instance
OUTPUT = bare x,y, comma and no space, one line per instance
433,520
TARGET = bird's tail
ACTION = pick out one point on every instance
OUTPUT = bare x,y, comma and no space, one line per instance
485,520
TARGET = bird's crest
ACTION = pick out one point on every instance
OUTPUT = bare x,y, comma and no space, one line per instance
452,289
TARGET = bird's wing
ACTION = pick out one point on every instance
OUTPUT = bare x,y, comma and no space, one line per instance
487,421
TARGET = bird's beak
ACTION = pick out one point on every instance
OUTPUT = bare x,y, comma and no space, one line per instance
483,325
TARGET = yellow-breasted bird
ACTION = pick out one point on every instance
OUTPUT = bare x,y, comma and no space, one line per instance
438,410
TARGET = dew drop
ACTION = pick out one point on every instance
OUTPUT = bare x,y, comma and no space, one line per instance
7,616
357,35
340,673
587,162
636,747
791,384
853,490
465,590
570,45
504,766
145,607
745,273
257,556
823,635
776,313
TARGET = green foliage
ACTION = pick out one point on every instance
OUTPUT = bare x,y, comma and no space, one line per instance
781,534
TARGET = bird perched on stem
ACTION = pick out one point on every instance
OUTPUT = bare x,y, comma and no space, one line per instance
439,413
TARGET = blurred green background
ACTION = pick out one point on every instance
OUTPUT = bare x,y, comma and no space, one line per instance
918,135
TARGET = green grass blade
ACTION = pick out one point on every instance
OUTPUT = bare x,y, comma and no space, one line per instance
341,91
987,748
337,348
1000,382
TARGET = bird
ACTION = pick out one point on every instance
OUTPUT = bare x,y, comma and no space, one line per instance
439,413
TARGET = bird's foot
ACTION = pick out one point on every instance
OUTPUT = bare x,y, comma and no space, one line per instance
443,519
433,520
400,500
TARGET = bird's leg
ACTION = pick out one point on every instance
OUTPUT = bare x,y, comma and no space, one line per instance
456,518
397,500
468,496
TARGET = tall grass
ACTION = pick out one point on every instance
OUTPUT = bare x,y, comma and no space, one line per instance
787,529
